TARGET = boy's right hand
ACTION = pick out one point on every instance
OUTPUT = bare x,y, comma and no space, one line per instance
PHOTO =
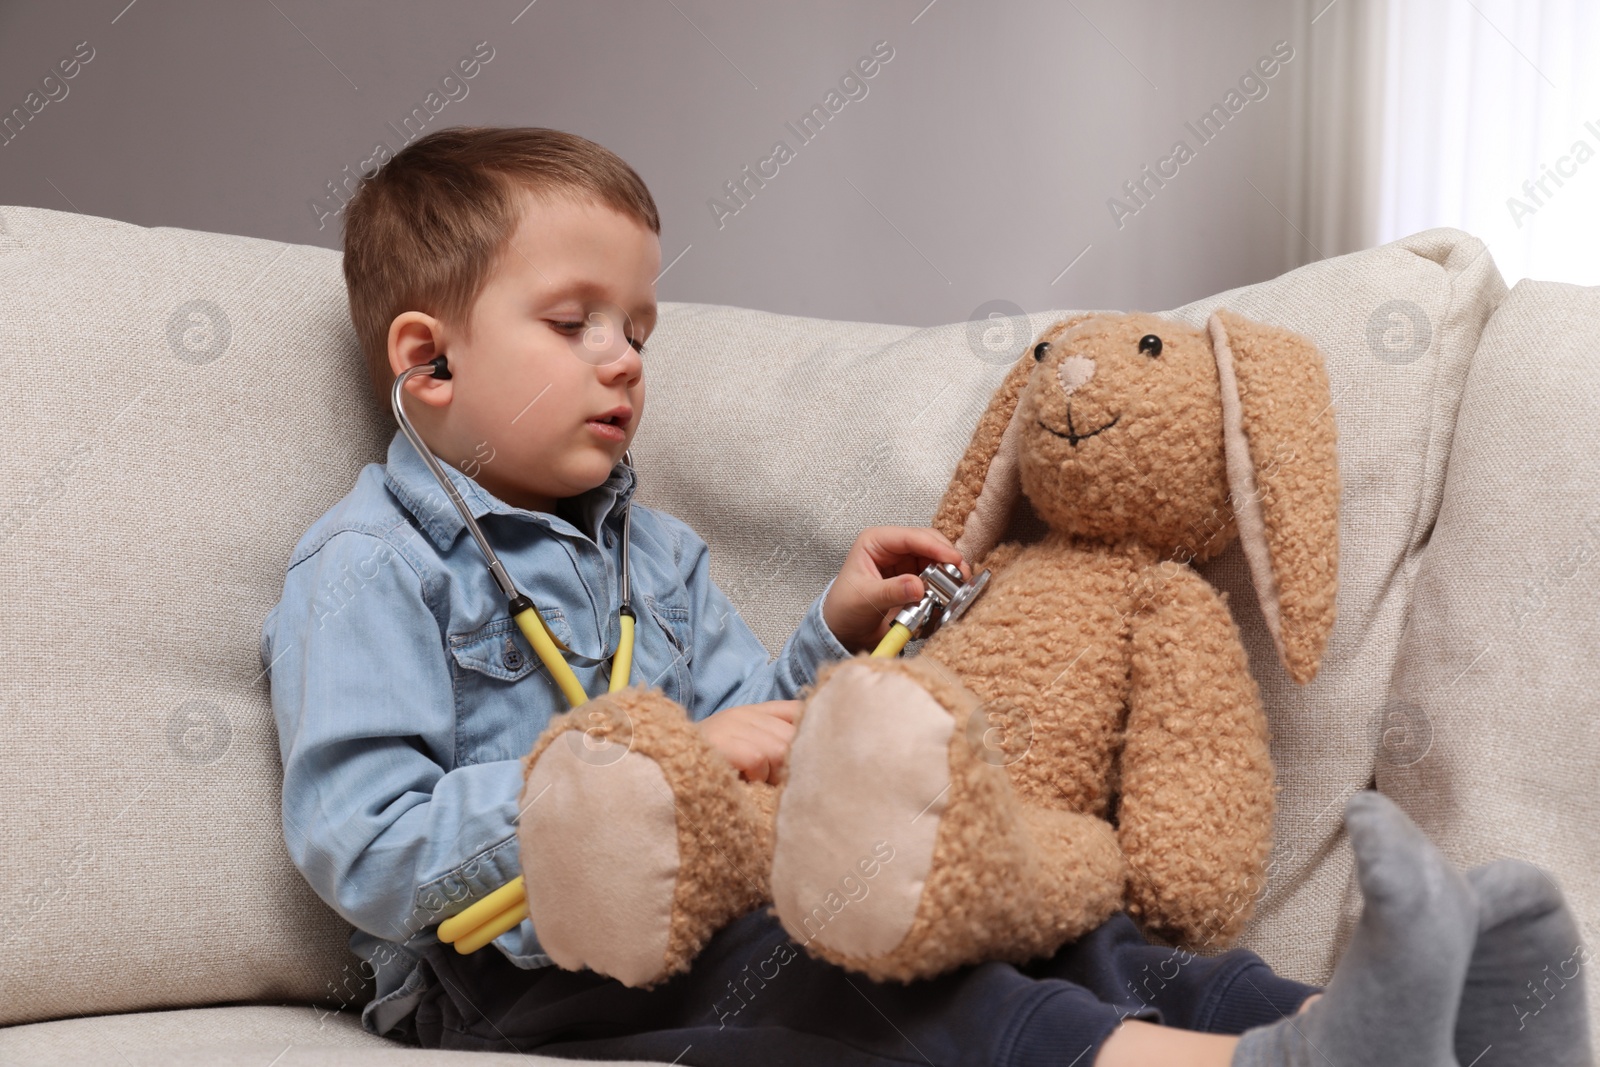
754,737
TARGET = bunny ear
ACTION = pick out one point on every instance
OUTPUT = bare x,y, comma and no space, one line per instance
1283,479
976,509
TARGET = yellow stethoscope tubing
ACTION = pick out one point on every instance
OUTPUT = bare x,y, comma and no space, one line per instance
507,906
893,642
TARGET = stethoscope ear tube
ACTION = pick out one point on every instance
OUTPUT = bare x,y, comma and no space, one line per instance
507,906
437,368
627,538
546,644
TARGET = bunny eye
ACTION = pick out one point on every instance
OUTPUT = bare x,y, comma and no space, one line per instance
1039,349
1150,344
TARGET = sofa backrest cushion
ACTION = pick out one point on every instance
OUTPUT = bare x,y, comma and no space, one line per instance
1496,695
182,405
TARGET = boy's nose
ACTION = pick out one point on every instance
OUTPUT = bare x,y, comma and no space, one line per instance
615,364
604,341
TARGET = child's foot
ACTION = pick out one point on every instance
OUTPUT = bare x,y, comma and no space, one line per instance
1393,997
1524,997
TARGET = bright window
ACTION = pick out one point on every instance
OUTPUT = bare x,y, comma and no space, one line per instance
1492,124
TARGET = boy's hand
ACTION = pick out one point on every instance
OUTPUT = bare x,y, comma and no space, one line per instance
879,577
754,737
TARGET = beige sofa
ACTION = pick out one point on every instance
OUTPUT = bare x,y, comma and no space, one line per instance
180,405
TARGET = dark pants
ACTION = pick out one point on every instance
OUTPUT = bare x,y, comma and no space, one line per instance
754,996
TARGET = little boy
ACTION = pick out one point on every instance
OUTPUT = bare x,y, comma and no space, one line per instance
405,695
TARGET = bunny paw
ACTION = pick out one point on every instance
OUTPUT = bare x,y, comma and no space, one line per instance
901,850
637,840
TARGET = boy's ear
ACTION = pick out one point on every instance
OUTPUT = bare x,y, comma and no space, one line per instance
414,338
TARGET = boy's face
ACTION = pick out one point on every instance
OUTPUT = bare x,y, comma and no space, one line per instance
551,348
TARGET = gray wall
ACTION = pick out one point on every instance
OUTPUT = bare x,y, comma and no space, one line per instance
975,168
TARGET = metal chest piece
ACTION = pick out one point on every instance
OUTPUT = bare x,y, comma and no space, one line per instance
945,599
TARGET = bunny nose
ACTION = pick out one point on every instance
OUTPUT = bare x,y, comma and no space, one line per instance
1075,371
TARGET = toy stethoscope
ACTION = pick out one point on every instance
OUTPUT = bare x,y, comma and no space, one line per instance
945,599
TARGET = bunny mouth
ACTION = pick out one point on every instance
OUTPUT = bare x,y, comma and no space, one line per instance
1074,437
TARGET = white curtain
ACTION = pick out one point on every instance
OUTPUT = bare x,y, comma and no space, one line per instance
1479,114
1336,128
1492,124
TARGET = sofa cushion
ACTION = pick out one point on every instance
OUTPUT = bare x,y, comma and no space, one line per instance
234,1036
1494,715
193,401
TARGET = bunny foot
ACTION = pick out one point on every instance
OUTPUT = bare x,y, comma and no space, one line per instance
901,849
638,841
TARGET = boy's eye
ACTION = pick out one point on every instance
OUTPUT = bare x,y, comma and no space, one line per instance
638,346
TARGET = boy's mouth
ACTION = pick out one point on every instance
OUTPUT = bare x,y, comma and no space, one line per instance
612,424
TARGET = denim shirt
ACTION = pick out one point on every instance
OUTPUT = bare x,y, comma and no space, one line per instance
405,696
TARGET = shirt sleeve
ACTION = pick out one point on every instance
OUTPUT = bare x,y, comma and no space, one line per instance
729,663
376,816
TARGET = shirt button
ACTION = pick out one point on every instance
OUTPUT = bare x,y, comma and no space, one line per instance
513,659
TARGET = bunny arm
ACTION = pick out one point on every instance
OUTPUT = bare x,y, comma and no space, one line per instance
1196,787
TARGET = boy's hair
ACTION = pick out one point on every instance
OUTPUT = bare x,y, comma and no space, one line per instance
425,231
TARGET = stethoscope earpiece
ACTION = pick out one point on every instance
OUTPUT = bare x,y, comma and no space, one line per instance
441,367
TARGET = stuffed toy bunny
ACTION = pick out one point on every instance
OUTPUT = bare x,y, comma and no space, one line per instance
1087,737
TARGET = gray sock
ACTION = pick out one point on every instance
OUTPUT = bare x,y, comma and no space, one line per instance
1524,998
1393,997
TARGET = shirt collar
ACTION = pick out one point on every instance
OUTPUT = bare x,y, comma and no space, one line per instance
408,477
